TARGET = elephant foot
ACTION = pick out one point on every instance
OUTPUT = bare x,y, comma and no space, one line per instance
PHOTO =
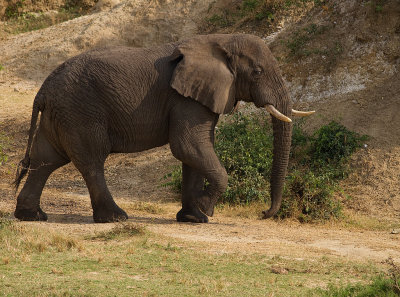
191,215
206,205
30,215
103,215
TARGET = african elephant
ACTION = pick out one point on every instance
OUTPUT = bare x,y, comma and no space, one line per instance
122,100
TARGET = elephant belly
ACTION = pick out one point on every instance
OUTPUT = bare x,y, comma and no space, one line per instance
138,138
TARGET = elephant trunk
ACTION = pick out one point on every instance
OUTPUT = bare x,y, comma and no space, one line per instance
282,132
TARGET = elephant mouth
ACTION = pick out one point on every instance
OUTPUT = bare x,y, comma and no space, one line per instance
276,113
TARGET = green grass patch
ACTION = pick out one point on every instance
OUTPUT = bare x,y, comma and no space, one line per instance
4,142
151,265
318,161
380,286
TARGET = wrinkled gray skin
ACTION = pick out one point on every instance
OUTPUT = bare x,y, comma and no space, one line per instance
123,100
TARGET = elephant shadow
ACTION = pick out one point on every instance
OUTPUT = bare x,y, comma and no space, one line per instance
59,218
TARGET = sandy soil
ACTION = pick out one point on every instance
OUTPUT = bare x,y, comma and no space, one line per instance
372,109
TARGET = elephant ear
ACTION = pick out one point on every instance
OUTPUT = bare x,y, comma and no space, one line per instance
202,74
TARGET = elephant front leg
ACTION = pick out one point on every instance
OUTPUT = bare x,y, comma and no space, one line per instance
197,202
218,182
191,138
192,188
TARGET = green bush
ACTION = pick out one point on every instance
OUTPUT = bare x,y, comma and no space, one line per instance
318,162
244,145
333,144
308,197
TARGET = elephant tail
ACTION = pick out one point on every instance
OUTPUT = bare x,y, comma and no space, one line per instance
23,165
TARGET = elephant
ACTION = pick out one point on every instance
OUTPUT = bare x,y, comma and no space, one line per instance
124,99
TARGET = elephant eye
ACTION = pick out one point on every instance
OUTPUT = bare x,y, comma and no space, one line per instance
257,71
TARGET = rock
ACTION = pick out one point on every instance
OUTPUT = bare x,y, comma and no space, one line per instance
279,270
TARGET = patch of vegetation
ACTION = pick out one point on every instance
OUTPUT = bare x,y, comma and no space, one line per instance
3,214
150,265
253,10
244,145
3,145
13,10
219,21
148,207
355,221
1,67
19,20
383,285
300,38
27,22
121,230
301,44
18,240
173,179
377,5
319,161
380,286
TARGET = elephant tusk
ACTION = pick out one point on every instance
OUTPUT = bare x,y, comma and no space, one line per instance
302,113
273,111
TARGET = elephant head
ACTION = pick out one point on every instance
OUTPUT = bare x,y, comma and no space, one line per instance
219,70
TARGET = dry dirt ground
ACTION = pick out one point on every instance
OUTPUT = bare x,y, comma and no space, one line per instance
370,107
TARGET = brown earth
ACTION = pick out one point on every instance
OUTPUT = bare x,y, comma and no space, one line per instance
358,86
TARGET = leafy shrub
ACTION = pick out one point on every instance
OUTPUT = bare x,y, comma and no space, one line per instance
244,145
308,197
318,163
333,144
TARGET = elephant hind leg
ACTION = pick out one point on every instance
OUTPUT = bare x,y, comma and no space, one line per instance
88,155
44,160
105,209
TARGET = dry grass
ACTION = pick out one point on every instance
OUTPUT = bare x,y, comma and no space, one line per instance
121,230
17,241
250,211
139,206
129,259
